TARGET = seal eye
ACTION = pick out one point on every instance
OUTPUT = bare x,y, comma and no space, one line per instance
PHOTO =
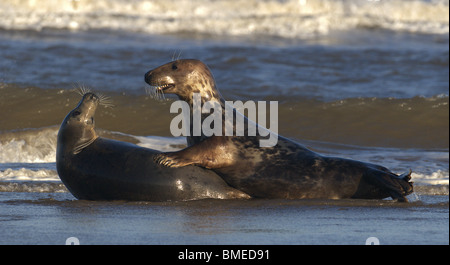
174,67
76,113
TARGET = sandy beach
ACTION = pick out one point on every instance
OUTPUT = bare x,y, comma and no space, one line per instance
52,218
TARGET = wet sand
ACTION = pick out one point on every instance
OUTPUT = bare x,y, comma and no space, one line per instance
51,218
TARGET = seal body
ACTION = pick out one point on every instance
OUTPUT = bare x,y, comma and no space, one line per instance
286,170
95,168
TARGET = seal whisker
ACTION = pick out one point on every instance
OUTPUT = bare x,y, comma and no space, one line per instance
161,93
156,93
80,88
173,55
179,55
176,58
105,101
150,91
77,88
83,90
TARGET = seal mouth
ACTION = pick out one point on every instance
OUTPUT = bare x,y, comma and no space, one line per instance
162,87
157,91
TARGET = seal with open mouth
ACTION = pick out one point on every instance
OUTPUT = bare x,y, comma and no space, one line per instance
96,168
286,170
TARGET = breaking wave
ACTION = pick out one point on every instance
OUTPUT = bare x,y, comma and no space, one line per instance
286,19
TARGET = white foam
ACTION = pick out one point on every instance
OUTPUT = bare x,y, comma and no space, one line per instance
32,146
288,19
163,144
436,178
25,174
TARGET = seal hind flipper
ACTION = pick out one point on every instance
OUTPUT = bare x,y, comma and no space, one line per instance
398,187
406,176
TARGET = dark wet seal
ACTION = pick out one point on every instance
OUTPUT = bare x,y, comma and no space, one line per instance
96,168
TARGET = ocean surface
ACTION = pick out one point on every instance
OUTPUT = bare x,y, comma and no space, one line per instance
363,79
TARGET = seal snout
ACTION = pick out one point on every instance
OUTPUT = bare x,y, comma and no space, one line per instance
147,77
157,81
91,96
151,78
88,97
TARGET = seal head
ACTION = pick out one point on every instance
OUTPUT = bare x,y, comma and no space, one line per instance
183,78
78,128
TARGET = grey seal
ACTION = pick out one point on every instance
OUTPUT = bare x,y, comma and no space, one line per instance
96,168
286,170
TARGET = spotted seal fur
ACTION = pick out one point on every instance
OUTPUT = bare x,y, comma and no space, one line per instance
286,170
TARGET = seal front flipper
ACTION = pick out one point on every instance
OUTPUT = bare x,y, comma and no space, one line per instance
171,159
207,154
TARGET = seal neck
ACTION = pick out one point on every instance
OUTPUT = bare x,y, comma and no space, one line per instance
73,138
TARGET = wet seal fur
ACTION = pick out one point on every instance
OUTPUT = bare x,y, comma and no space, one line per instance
287,170
95,168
